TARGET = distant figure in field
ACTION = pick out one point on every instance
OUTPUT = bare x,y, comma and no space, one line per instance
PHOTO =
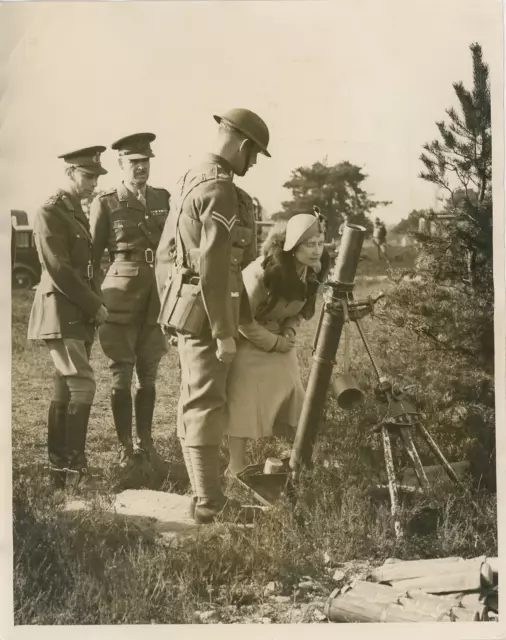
346,219
379,237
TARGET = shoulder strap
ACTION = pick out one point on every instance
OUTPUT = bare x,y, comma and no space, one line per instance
212,174
68,204
152,241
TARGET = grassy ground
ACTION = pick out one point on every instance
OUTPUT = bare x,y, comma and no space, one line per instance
87,569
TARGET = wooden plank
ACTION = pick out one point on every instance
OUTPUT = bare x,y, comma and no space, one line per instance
471,579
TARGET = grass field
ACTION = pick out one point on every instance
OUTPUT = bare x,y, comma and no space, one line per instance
87,569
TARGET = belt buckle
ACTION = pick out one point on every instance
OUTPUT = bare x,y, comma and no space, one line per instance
89,271
149,255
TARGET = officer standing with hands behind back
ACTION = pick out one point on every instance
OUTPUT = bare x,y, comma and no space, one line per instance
128,221
66,309
208,238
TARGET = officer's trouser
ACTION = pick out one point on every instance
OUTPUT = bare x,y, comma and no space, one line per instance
74,377
136,345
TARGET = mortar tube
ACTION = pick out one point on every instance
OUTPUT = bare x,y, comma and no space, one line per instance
342,279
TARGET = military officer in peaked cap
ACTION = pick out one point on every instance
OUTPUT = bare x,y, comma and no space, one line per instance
66,309
128,221
210,236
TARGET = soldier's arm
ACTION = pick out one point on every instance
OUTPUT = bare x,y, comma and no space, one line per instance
217,209
165,252
52,247
100,230
257,294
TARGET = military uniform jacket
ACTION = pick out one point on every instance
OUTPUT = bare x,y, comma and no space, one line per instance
131,232
67,299
216,225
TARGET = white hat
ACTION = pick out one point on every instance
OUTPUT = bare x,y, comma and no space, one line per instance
299,228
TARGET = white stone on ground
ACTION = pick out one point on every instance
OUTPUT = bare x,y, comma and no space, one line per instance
153,511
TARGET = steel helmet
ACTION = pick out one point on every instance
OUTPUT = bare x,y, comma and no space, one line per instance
248,123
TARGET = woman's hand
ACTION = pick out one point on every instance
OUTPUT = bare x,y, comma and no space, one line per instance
289,332
284,344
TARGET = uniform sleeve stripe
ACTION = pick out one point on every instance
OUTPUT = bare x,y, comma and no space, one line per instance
228,224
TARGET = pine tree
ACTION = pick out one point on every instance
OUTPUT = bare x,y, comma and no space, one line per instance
451,308
461,164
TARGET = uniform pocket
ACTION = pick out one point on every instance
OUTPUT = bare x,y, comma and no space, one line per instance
122,291
59,313
124,230
241,236
122,270
159,217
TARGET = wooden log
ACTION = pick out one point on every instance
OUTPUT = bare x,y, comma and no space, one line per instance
409,568
467,580
436,474
415,569
473,603
372,602
381,491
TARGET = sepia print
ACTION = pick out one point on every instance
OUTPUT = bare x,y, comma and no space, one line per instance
256,249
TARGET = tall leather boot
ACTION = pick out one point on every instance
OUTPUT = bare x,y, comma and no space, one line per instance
78,417
144,408
56,442
121,406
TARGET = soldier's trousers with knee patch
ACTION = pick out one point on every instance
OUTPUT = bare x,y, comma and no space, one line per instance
74,378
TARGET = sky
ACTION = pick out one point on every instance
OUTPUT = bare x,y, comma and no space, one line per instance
357,80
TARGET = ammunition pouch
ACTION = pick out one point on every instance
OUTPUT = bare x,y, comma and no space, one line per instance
181,305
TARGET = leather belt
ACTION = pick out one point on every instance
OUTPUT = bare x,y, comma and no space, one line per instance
135,255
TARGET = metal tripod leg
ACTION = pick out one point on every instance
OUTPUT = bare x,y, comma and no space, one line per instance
409,445
437,452
445,464
392,483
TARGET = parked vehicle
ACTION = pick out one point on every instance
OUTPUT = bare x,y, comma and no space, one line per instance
26,267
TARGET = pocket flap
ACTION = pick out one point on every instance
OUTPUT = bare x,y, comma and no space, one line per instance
123,269
241,236
190,291
120,223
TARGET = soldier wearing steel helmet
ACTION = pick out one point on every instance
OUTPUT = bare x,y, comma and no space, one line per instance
210,236
66,309
128,221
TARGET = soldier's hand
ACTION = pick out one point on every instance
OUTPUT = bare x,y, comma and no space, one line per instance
284,345
226,349
102,315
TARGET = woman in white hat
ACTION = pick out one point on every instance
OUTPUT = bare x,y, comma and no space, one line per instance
264,389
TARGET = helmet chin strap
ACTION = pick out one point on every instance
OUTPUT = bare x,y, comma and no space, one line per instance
246,148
